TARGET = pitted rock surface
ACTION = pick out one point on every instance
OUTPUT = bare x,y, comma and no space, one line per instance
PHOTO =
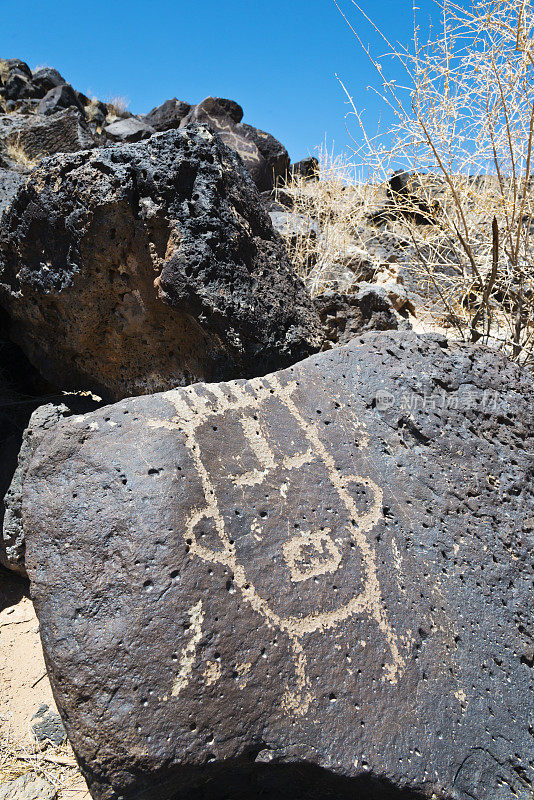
328,566
145,266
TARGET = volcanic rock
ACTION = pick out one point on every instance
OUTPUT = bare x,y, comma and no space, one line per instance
128,130
45,79
145,266
35,137
168,115
326,570
12,539
222,116
57,99
345,316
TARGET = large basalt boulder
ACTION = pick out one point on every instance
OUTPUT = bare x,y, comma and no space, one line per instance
327,567
42,420
45,79
168,115
24,139
131,129
260,156
145,266
59,98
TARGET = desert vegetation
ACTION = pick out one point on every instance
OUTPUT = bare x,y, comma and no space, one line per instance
462,129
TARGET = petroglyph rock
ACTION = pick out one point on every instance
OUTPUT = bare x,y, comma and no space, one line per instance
144,266
327,565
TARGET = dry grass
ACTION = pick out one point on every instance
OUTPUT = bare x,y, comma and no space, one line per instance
466,110
15,151
56,764
117,106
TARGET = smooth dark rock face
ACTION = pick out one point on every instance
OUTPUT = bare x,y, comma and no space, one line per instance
140,267
221,117
327,568
42,420
128,130
307,168
58,99
45,79
168,115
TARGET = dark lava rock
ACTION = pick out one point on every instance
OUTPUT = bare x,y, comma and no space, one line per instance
21,391
145,266
345,316
58,99
168,115
36,137
45,79
15,80
307,168
219,115
274,153
406,200
212,108
10,183
47,726
328,568
43,419
128,130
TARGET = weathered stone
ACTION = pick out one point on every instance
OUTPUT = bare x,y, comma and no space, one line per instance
45,79
28,787
58,99
214,108
10,183
12,540
345,316
144,266
128,130
329,566
168,115
217,114
274,153
307,168
47,726
26,139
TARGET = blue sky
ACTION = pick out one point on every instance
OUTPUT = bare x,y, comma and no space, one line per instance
277,59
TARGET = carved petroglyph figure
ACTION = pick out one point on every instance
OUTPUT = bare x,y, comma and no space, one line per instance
284,462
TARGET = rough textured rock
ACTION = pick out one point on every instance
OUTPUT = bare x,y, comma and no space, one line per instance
221,117
12,540
36,137
307,168
135,268
168,115
57,99
47,726
330,566
10,183
345,316
45,79
128,130
28,787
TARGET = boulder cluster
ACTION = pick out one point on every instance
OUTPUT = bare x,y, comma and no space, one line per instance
277,547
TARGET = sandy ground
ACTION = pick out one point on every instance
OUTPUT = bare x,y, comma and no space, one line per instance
24,686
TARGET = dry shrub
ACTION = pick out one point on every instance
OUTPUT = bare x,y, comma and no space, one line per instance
56,764
464,122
